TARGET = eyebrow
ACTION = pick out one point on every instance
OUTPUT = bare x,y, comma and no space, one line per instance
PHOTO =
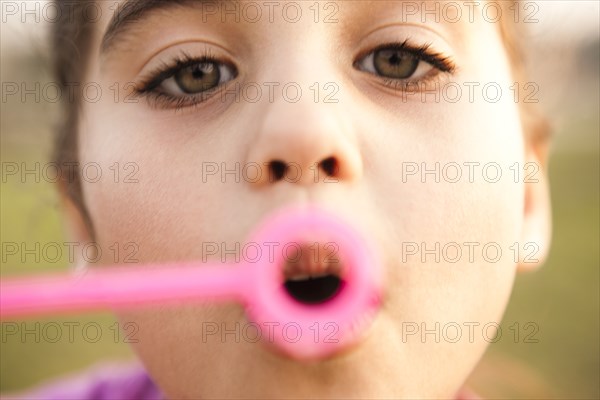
132,11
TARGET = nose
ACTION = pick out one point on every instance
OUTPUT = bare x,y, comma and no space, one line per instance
305,143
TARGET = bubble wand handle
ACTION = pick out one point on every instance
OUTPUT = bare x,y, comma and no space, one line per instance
258,286
117,287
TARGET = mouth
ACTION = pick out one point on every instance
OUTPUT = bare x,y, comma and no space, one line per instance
313,274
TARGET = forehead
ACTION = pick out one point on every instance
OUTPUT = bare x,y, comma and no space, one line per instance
127,17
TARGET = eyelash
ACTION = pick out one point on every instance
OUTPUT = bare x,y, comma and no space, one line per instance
148,85
441,63
424,53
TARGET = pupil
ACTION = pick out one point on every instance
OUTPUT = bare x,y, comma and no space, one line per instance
395,59
198,71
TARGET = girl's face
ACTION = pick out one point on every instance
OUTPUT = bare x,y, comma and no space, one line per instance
397,122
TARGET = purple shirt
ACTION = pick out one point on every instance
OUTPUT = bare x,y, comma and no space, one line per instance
115,382
107,381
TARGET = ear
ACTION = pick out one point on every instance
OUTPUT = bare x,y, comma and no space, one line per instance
536,232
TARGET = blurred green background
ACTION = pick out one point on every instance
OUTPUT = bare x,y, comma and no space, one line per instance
562,298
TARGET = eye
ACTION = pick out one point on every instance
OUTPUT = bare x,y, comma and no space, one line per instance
185,81
392,63
401,62
196,77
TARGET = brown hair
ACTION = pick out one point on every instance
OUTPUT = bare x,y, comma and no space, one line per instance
71,38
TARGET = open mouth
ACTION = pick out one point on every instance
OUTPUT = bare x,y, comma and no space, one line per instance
313,275
314,289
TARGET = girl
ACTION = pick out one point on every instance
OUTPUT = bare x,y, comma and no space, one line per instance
401,116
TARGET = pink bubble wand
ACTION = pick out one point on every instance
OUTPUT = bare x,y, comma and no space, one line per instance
303,331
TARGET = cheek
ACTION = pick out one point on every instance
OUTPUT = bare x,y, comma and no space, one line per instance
449,182
153,191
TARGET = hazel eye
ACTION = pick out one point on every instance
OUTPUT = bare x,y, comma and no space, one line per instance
394,64
196,78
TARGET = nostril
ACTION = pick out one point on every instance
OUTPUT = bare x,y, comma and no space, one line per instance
277,170
330,166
